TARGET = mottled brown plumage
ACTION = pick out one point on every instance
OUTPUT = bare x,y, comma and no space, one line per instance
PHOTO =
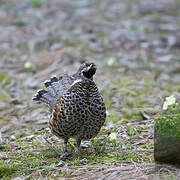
76,106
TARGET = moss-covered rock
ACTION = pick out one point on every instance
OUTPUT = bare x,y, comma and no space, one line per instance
167,138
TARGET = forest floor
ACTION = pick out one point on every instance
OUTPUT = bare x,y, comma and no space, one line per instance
136,46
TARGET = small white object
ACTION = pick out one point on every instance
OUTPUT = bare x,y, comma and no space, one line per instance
27,65
111,62
169,101
60,164
113,136
13,138
84,161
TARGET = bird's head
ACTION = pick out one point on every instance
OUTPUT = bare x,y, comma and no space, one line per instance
87,70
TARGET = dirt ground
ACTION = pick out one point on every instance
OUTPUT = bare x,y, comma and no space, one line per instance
136,46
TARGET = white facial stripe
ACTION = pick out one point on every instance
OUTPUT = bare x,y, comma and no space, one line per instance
89,67
76,81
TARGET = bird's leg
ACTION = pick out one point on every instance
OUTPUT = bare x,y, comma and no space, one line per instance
65,145
65,153
77,148
78,143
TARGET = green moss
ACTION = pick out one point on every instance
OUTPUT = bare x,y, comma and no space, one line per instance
5,80
108,93
50,153
168,125
171,88
131,131
127,116
25,162
4,95
114,117
8,169
4,119
37,3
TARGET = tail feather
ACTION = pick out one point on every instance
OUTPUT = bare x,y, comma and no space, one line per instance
41,96
51,90
55,89
54,86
